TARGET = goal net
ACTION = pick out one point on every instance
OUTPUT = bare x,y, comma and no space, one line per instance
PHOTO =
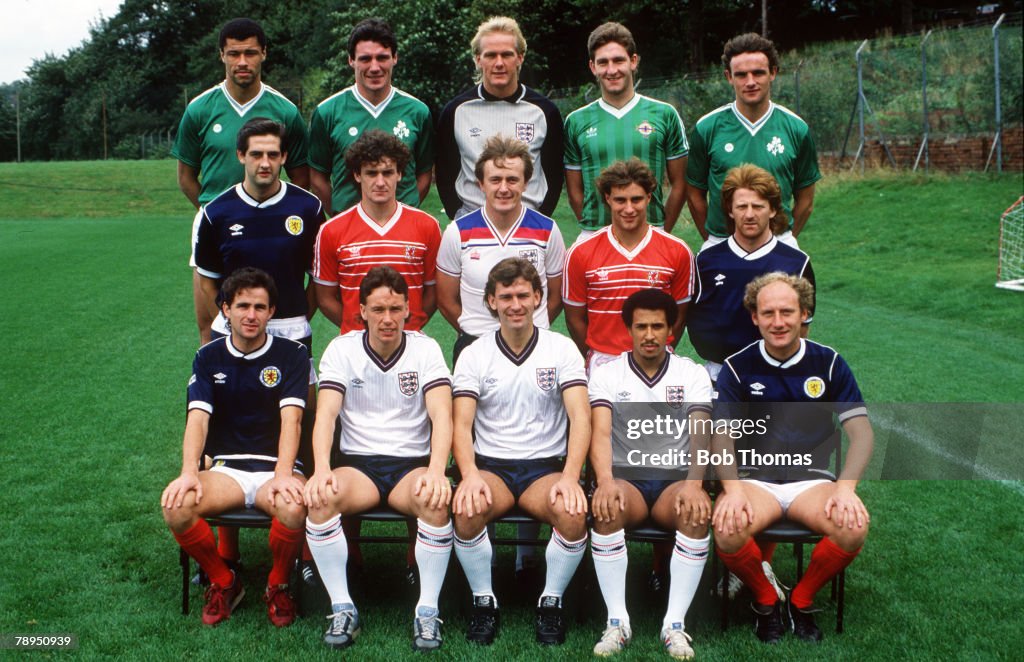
1010,274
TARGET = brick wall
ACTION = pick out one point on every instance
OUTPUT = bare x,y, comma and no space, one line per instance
948,153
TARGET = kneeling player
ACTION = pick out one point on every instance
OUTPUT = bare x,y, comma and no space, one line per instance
514,388
245,402
393,392
646,374
768,381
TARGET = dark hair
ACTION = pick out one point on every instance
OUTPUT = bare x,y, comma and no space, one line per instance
372,29
608,33
248,278
761,182
260,126
507,272
498,148
382,277
624,173
750,42
650,299
373,147
241,29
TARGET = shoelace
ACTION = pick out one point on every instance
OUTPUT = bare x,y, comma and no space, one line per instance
614,635
428,627
675,637
280,599
340,621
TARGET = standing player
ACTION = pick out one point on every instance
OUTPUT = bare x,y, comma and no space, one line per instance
372,103
205,142
393,393
751,129
649,374
498,103
515,389
619,125
799,386
717,323
504,227
245,401
378,230
629,255
264,223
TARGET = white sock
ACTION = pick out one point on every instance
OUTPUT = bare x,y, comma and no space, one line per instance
475,557
433,549
562,557
330,551
610,563
685,569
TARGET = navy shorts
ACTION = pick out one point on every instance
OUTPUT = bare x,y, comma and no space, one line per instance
651,489
385,471
518,475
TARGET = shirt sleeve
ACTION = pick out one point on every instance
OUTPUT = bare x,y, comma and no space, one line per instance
698,392
845,393
598,387
187,146
200,387
554,256
676,146
574,284
209,261
334,374
682,283
697,163
447,160
433,241
571,371
424,152
466,379
728,397
435,372
296,377
298,144
808,273
551,157
805,170
449,255
325,260
321,148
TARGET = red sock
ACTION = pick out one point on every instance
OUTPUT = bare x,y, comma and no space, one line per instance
352,526
745,563
227,543
661,553
306,554
767,550
827,560
198,543
285,545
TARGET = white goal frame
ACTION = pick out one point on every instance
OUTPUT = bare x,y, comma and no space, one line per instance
1010,272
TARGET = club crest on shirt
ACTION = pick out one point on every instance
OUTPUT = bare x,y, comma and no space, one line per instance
674,396
410,252
408,382
270,376
531,255
645,128
652,277
525,131
293,224
775,146
814,387
546,378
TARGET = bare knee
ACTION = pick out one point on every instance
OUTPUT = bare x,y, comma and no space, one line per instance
469,527
694,531
292,515
730,543
849,540
570,527
180,519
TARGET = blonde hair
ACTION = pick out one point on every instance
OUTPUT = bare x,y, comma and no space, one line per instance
503,24
760,181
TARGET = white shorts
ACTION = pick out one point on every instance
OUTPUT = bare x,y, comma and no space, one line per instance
786,238
249,481
786,493
195,238
713,369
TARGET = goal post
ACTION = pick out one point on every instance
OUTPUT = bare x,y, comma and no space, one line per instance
1010,273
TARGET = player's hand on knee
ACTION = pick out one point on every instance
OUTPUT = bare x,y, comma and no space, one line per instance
316,490
845,508
174,494
288,488
471,495
573,498
609,500
434,489
693,504
732,512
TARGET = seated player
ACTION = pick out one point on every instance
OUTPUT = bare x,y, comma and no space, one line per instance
649,374
245,402
392,390
796,387
515,389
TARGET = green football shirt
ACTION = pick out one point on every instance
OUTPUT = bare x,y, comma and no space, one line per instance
340,119
779,142
209,128
598,134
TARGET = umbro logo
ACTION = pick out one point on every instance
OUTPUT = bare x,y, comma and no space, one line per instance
623,395
475,132
757,388
719,280
236,229
491,381
220,378
357,383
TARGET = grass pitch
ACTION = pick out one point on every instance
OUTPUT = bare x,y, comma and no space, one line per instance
99,340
